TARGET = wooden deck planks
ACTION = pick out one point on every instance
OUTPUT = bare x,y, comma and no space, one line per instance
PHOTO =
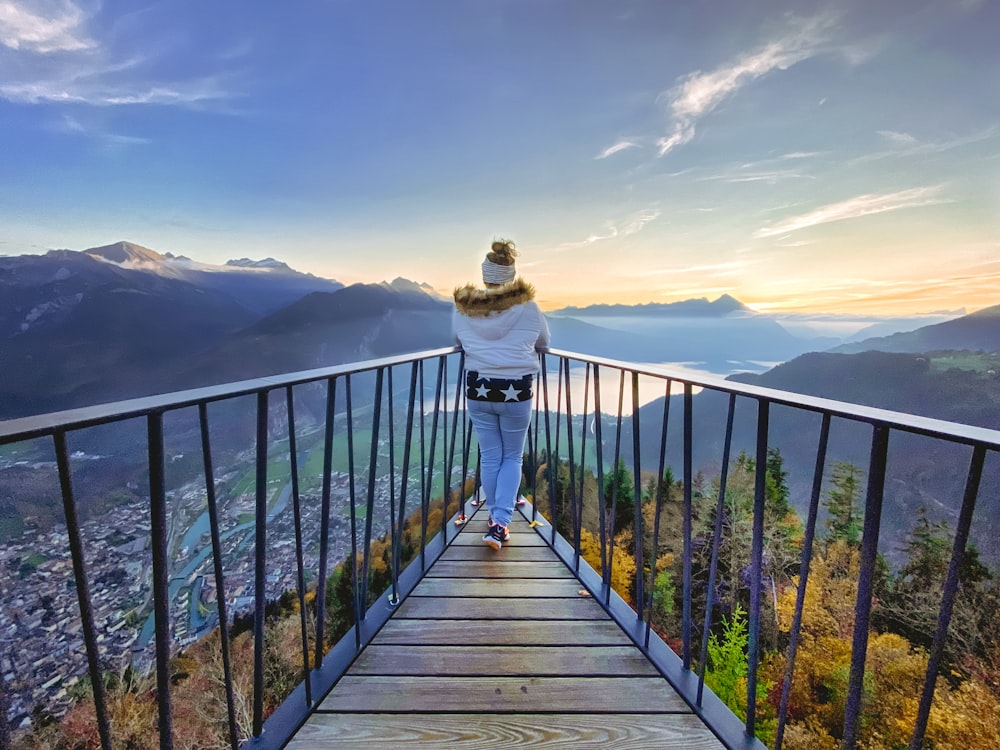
499,569
487,732
503,694
502,649
484,633
493,660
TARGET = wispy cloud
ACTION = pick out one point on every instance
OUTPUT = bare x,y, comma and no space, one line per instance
631,224
72,125
699,93
862,205
611,150
47,55
898,139
906,145
638,221
61,30
771,177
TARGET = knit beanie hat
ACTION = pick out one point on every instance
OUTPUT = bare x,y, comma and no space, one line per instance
499,272
494,273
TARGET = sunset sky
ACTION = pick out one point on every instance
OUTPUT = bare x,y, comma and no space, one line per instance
801,156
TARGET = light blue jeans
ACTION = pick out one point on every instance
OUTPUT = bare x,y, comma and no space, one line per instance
500,429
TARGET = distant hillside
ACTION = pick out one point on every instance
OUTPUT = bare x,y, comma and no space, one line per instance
362,321
121,321
695,308
76,330
930,385
978,331
952,386
718,340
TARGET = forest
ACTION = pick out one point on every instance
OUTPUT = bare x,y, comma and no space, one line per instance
966,706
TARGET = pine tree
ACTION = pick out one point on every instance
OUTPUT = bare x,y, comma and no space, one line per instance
619,493
844,519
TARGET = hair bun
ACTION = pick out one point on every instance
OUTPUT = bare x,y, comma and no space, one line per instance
502,252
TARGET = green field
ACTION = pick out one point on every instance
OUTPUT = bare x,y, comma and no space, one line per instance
975,361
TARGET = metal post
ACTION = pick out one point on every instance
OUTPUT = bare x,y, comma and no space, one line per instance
220,581
863,606
161,574
260,561
756,562
82,593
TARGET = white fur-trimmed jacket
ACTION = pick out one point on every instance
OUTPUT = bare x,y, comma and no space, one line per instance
499,328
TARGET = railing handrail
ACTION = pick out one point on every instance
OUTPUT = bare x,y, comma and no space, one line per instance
42,425
24,428
928,426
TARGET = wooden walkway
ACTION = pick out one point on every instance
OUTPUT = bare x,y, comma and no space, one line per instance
497,650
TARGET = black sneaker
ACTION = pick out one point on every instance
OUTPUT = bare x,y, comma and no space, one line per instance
506,530
496,536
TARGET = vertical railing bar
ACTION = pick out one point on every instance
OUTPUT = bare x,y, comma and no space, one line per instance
661,466
423,474
602,521
948,595
370,501
756,562
466,427
467,451
450,463
220,580
800,595
550,466
394,533
533,436
352,494
82,591
324,533
686,528
445,478
571,483
720,505
429,465
297,519
260,558
863,605
638,532
609,560
161,574
563,365
578,506
404,477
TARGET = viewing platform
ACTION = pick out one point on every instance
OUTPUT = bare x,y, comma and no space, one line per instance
669,518
502,649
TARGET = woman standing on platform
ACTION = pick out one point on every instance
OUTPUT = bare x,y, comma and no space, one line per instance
499,327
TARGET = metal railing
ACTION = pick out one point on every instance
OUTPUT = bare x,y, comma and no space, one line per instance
395,433
646,435
421,454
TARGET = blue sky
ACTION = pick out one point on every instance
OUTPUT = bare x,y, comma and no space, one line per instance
802,156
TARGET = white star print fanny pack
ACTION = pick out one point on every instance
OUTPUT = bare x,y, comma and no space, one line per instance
478,388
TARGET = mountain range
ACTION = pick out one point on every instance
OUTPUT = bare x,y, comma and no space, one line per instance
122,320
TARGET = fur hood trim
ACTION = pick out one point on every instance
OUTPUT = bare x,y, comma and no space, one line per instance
478,303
